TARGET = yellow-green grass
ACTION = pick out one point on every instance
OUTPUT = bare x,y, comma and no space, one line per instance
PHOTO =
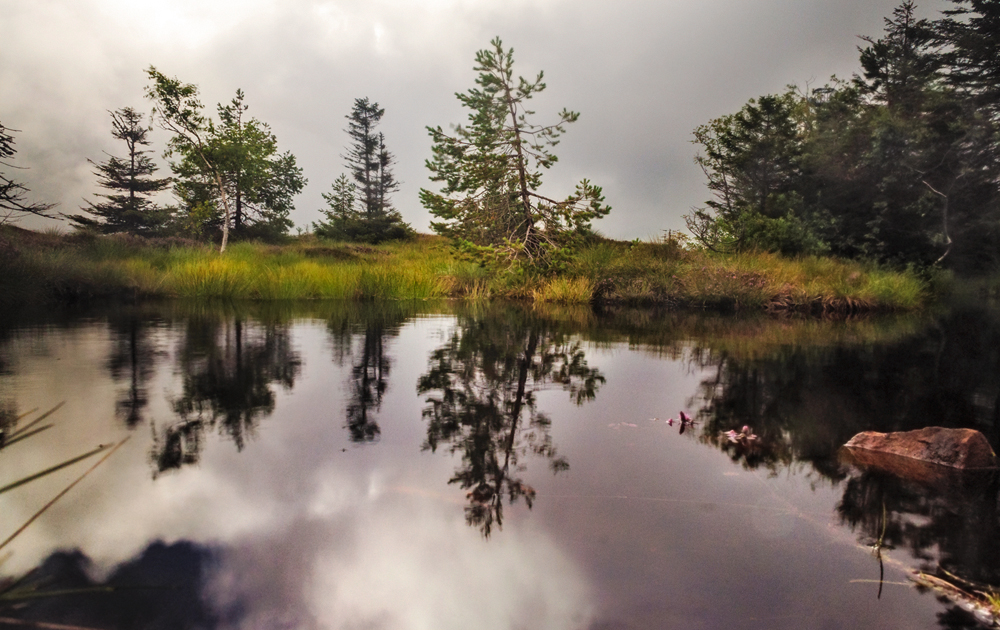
612,272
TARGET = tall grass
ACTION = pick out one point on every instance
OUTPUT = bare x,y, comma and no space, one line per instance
664,272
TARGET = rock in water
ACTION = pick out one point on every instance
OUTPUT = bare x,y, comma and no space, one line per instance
965,449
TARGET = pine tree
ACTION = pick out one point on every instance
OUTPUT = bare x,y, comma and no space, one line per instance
369,160
491,171
127,208
970,35
370,164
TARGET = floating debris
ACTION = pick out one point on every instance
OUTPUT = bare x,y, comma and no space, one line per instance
744,438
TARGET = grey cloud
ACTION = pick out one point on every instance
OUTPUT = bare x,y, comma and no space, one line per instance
643,74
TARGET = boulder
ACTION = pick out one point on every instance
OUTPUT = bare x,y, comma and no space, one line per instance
965,449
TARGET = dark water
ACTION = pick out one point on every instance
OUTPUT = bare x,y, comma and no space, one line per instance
437,466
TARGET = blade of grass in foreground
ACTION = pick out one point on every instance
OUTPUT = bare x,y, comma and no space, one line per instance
41,624
61,494
49,471
35,421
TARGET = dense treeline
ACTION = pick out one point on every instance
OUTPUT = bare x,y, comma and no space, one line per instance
900,164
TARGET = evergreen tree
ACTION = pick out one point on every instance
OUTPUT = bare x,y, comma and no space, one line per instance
342,202
12,193
361,210
751,161
368,158
970,36
127,208
491,171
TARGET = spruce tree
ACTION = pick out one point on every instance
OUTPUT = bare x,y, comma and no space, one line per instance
127,208
370,164
369,160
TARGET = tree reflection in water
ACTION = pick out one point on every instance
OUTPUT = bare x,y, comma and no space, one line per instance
360,332
132,359
480,390
227,368
805,402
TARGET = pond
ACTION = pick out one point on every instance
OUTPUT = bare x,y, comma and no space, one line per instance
343,465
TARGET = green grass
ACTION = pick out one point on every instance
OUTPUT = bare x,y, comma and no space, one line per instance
68,267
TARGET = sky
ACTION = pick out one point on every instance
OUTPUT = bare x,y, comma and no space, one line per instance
642,73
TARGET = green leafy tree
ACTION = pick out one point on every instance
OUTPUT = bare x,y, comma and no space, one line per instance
176,109
491,171
13,200
260,181
750,159
127,208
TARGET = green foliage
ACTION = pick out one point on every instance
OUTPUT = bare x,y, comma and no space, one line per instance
360,211
81,266
491,172
899,165
259,180
127,208
178,110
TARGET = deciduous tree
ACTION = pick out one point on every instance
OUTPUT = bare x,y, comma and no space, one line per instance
176,109
258,180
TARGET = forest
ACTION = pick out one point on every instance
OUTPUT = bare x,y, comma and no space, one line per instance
897,164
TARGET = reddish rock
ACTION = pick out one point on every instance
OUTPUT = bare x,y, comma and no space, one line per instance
965,449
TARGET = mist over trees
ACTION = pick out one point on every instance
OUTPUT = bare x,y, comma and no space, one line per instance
899,165
13,194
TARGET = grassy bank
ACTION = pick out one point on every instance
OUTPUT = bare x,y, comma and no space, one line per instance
53,267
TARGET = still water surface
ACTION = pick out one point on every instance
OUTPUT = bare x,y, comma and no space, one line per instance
436,466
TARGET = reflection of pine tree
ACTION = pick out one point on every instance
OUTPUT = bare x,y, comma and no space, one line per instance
481,391
227,371
132,358
369,382
371,325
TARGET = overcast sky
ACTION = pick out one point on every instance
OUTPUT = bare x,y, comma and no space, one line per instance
642,73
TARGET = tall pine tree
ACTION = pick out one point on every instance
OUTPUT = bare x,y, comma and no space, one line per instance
127,208
369,160
370,164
